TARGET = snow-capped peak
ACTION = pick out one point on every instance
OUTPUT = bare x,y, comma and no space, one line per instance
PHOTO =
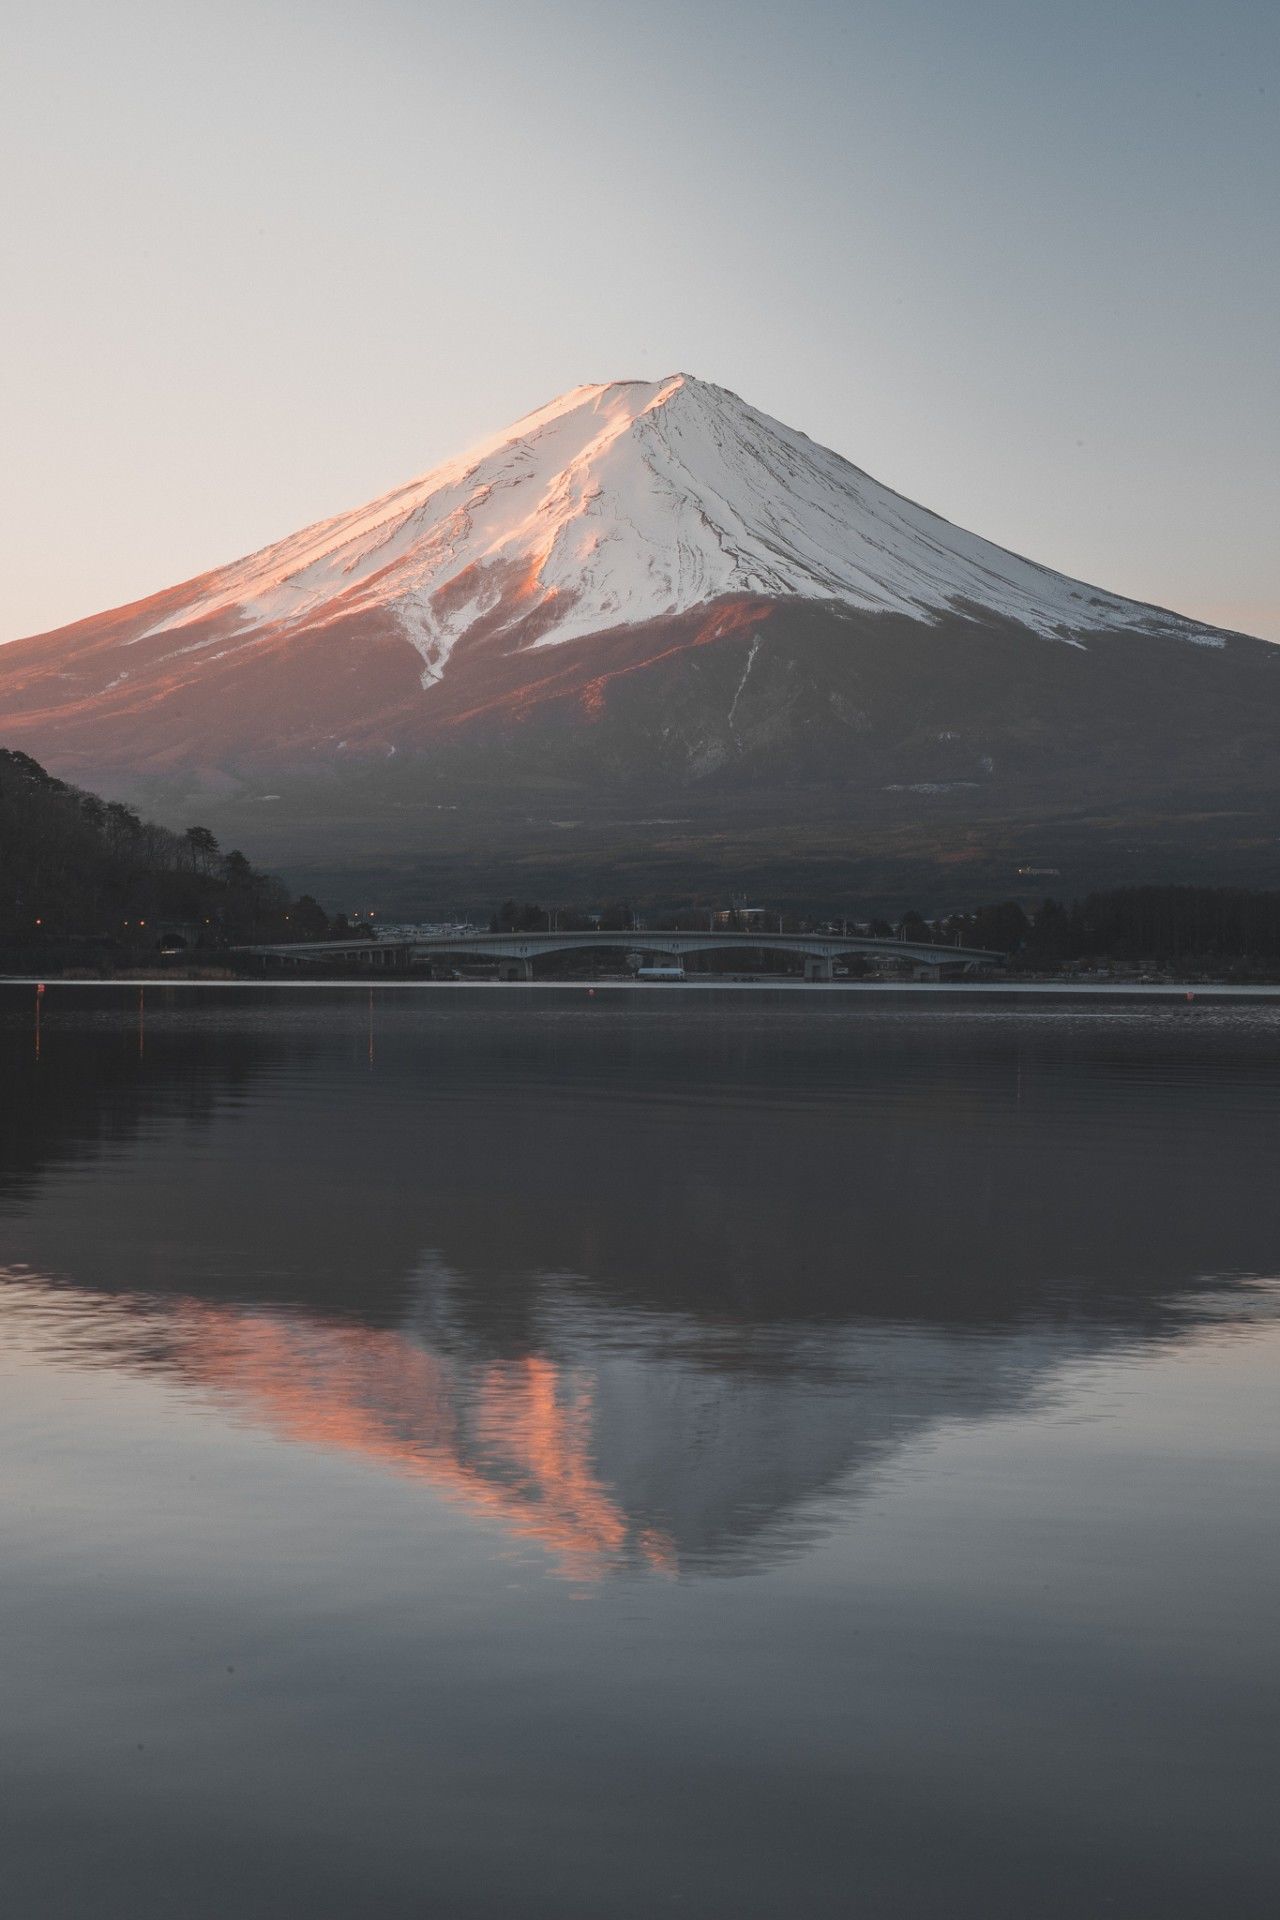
628,502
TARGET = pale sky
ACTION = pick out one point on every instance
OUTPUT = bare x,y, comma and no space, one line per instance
263,259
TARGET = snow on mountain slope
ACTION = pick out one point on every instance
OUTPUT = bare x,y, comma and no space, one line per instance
624,503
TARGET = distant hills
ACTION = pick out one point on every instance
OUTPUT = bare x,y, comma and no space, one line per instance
651,641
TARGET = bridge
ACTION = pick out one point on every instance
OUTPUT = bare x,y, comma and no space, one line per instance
515,953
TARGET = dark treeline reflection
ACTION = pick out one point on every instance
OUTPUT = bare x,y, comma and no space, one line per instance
645,1280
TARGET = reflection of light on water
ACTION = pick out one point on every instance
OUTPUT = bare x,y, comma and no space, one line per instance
618,1442
511,1438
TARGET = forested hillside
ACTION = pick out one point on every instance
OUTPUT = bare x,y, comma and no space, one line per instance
77,871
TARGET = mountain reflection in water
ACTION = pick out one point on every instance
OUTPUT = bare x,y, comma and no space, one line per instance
659,1298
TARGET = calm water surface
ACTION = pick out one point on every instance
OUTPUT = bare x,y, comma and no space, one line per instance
480,1455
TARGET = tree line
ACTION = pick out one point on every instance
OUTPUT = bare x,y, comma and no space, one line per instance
77,871
1142,926
80,871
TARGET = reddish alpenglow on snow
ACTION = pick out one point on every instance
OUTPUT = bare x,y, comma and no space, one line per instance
642,589
630,502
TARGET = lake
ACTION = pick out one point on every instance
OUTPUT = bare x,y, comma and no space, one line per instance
474,1453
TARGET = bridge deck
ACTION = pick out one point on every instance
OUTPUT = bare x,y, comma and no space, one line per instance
668,942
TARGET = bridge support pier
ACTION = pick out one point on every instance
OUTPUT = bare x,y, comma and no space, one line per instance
515,970
817,967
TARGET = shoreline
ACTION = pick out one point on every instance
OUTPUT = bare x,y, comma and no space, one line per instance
958,990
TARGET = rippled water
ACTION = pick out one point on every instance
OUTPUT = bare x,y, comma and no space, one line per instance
464,1456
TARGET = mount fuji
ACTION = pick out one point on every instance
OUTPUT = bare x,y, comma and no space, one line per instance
651,637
